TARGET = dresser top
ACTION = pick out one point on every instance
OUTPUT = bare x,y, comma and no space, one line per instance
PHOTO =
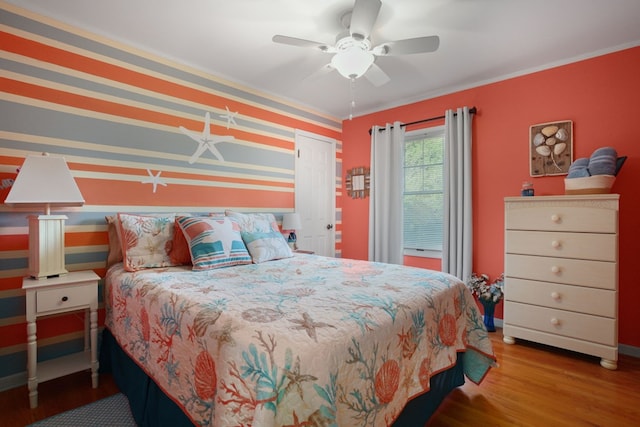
563,197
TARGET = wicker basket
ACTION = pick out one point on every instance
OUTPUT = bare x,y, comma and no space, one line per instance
596,184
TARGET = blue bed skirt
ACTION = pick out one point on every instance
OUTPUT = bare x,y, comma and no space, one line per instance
152,408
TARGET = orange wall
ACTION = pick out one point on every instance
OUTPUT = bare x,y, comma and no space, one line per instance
598,94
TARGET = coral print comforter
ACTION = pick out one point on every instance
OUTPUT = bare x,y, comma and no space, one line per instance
306,340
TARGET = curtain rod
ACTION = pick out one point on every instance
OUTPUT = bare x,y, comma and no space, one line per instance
472,110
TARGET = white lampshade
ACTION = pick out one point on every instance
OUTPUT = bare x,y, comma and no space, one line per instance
291,221
45,181
352,62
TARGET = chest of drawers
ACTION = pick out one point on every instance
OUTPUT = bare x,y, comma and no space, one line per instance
561,273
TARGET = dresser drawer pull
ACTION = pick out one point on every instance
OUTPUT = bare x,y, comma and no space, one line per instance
556,244
555,296
65,299
555,269
555,218
554,321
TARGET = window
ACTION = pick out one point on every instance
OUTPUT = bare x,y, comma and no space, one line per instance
423,202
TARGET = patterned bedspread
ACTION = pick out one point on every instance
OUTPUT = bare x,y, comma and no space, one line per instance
306,340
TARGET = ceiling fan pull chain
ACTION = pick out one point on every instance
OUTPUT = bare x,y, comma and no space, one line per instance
352,84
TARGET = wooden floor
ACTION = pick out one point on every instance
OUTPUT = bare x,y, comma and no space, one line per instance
533,386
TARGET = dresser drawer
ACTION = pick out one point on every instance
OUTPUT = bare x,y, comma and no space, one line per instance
599,302
594,274
65,298
597,329
561,218
598,247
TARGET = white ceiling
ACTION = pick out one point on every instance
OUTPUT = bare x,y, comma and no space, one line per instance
480,41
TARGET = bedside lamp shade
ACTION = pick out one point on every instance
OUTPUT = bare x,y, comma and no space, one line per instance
291,221
45,181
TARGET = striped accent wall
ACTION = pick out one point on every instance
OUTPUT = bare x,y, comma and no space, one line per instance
115,114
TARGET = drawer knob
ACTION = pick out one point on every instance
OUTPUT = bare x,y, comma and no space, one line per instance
65,299
556,244
555,269
554,321
555,218
555,296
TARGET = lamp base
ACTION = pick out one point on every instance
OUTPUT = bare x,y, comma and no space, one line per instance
46,246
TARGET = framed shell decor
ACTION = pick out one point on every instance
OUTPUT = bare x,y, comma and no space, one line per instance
357,182
550,148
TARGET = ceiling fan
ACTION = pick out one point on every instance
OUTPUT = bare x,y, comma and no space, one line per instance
354,55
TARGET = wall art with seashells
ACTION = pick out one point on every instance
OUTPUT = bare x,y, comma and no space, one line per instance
551,148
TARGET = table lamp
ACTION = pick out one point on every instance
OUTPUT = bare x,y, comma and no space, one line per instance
45,181
292,222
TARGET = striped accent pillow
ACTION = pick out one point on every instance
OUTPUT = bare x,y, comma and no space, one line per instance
213,242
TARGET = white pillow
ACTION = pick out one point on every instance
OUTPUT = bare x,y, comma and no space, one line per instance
266,246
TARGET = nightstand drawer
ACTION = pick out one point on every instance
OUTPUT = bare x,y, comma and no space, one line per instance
599,302
65,298
594,274
597,247
565,323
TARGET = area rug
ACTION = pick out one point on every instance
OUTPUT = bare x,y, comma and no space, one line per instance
112,411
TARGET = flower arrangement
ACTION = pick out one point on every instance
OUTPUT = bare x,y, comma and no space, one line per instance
485,291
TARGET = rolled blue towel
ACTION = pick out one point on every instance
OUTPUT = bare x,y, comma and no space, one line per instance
579,168
603,161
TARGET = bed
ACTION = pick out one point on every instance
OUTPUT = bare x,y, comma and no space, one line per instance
299,340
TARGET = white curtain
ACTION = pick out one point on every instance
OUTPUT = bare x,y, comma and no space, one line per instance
385,202
458,233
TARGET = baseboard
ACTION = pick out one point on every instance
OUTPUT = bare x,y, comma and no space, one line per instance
629,350
13,381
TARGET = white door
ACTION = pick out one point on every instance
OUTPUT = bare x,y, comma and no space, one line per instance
315,197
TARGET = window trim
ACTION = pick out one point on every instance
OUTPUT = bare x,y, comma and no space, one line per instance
422,253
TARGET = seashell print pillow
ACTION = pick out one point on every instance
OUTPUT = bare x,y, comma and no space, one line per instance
146,240
254,222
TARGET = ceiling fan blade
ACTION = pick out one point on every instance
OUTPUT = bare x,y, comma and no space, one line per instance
364,15
376,76
322,71
294,41
408,46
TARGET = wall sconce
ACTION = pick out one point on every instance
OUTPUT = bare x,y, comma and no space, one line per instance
357,182
292,222
45,181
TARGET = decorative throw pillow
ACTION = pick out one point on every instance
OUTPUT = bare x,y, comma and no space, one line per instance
146,240
213,242
266,246
114,254
254,222
179,252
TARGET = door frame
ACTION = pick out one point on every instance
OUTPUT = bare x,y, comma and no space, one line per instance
299,194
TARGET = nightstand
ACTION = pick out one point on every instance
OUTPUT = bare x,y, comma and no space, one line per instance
74,291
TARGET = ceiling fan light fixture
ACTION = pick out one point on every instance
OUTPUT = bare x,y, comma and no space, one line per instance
352,62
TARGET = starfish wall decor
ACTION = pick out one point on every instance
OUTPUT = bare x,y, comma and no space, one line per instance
229,117
154,179
205,140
